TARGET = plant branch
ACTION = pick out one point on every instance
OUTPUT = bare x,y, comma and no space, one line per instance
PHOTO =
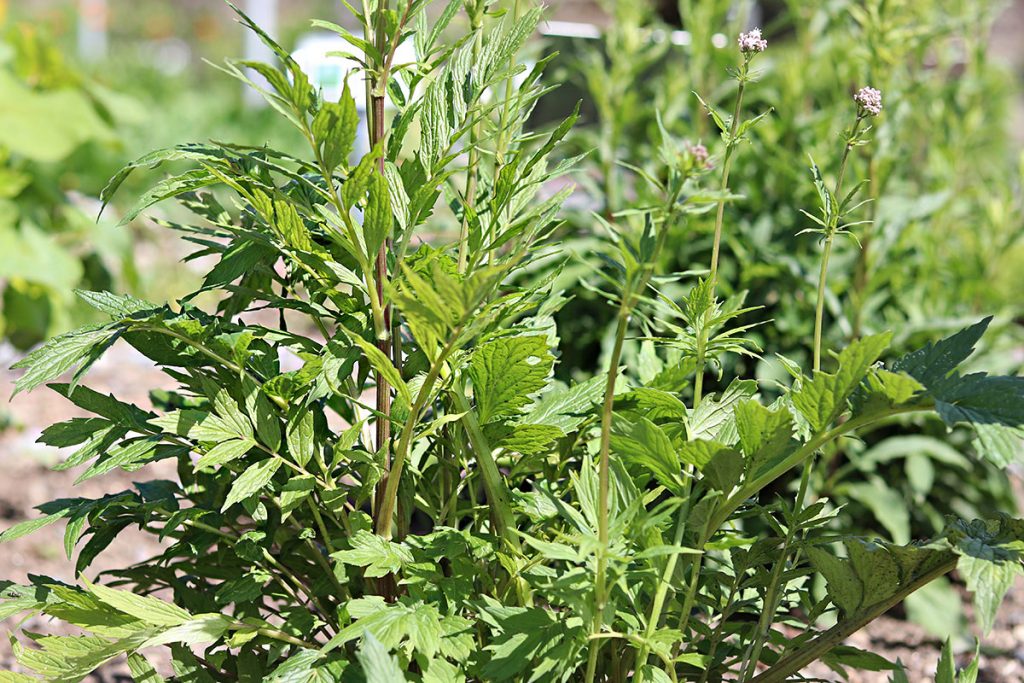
819,646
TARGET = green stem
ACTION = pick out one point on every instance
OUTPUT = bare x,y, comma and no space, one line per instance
798,456
282,636
691,588
830,233
770,604
472,170
631,293
664,583
821,645
698,376
604,465
730,147
497,492
385,509
719,632
819,309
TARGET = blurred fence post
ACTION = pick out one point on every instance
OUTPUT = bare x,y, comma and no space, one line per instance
264,14
93,17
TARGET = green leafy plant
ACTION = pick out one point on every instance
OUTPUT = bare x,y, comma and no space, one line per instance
419,499
911,262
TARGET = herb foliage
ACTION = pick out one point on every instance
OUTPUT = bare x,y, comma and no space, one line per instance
420,500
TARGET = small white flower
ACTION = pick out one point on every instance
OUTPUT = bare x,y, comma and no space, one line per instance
752,42
869,99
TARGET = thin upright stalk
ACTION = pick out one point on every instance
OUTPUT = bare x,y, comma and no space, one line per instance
630,295
664,583
472,169
604,465
375,94
730,148
819,310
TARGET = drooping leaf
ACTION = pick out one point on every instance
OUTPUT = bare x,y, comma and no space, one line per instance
61,354
378,664
147,609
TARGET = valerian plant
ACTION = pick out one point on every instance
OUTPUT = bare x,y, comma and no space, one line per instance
419,499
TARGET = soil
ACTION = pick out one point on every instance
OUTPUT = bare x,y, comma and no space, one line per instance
27,481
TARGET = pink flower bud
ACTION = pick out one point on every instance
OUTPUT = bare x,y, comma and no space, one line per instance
700,155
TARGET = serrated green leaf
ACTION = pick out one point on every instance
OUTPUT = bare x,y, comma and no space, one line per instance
378,664
30,526
117,305
506,373
934,363
295,492
225,452
823,398
383,365
60,354
377,554
297,668
567,408
989,561
198,630
416,623
334,129
765,434
525,439
377,219
146,609
251,482
645,444
299,436
142,671
200,425
715,415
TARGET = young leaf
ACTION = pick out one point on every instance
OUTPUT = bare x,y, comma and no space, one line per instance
334,129
377,219
300,437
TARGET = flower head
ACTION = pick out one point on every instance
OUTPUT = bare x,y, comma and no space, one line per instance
869,99
700,155
752,42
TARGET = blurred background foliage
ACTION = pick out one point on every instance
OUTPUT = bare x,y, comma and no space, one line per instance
945,246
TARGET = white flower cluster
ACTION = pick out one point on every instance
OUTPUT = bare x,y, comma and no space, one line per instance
869,99
752,42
